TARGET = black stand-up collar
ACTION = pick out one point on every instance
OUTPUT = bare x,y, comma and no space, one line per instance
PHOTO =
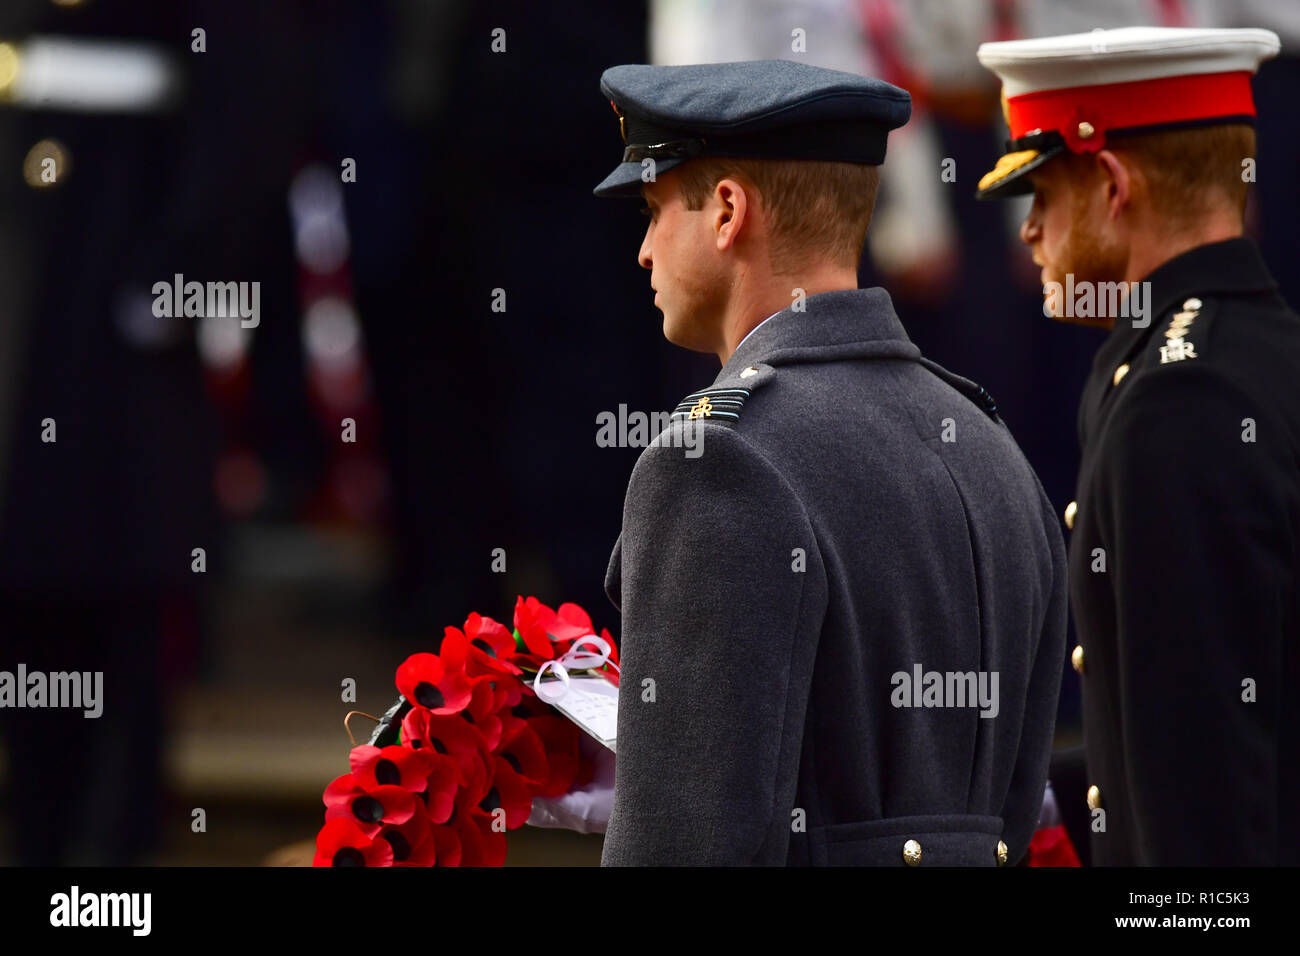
1232,266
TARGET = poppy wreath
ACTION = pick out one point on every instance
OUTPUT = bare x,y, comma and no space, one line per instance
456,762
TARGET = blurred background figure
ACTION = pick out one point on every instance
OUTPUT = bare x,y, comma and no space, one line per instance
348,466
110,531
97,525
444,312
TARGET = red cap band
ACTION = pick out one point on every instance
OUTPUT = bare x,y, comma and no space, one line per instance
1158,102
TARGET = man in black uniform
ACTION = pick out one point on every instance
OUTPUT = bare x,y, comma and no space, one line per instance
1185,546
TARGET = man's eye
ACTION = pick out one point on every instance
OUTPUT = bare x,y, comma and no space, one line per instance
647,211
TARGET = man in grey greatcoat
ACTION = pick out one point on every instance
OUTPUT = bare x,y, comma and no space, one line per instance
842,586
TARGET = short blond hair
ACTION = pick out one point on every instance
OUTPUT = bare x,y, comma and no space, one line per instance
819,209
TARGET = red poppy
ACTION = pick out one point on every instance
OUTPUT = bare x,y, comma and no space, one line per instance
447,735
529,705
390,767
432,682
477,785
560,738
540,628
341,842
412,841
447,848
475,749
510,691
548,634
481,714
439,795
511,792
507,691
478,790
370,809
523,750
490,647
492,841
1051,846
468,835
482,843
571,622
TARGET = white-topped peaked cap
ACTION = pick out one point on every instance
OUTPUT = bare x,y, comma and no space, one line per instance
1071,92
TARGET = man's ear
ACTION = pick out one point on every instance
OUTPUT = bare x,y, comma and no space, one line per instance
1118,180
731,211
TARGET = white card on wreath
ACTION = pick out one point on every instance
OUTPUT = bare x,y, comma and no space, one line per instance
592,704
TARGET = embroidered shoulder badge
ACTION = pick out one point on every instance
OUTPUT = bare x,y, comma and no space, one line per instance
715,404
1176,347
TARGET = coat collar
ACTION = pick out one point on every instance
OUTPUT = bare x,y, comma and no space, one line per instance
1230,266
844,324
1233,265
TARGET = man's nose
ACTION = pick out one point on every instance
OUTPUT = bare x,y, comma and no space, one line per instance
643,255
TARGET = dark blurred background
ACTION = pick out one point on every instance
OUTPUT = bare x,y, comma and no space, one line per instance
329,553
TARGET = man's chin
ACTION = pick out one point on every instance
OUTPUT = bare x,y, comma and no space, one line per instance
1091,323
679,334
1059,309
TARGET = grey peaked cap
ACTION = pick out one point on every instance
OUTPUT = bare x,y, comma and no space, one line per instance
776,109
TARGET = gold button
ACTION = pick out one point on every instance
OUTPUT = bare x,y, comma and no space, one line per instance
911,853
1086,130
1076,658
46,165
1070,510
1119,374
749,372
1002,853
9,68
1094,797
1192,305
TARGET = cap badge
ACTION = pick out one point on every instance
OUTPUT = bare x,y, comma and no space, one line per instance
622,128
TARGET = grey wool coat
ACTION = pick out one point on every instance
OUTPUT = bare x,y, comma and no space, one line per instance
855,518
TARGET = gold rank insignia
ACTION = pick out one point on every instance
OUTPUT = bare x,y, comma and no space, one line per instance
1176,347
719,404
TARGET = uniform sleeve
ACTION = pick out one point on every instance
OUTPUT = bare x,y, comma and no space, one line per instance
721,615
1024,803
1196,517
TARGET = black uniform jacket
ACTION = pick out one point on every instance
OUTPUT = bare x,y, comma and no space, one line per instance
1184,566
